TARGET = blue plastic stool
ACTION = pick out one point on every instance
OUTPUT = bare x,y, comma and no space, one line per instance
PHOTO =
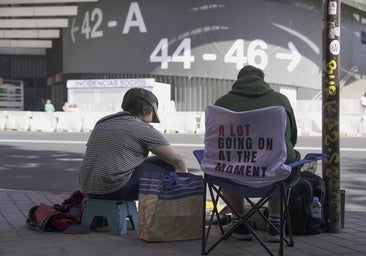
115,212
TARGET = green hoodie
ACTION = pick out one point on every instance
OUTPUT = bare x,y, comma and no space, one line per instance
251,92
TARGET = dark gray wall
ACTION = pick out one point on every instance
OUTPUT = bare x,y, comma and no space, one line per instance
265,31
212,27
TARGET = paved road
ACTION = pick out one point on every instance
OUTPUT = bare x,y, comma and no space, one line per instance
50,161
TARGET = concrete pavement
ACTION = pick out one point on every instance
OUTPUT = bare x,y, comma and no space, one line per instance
17,240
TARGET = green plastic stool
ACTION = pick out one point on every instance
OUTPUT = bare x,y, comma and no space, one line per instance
115,212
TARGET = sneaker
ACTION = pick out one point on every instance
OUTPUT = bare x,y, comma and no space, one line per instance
224,219
242,233
273,236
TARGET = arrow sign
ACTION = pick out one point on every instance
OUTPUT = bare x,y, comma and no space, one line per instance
73,30
294,56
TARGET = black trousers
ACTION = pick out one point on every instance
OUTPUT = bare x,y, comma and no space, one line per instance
130,191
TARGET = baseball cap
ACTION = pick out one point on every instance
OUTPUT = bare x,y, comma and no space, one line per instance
135,94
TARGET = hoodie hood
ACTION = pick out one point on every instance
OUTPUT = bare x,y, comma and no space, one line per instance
251,92
251,86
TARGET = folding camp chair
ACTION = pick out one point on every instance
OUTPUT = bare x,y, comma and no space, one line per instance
245,154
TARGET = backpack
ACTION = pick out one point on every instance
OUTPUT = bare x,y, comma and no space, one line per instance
309,186
58,217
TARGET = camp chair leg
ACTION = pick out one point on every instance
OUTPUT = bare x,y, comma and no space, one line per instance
204,241
282,192
290,243
255,206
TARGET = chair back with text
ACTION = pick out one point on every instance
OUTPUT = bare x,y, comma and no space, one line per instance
245,154
246,147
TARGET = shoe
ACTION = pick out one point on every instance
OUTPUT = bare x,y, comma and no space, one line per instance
242,233
224,219
273,236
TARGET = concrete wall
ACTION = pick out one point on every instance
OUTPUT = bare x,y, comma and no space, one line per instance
309,123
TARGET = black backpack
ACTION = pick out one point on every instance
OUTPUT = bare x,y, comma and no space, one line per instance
301,198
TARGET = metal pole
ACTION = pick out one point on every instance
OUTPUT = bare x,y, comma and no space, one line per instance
330,130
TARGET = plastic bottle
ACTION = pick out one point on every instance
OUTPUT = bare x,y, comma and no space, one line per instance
316,216
316,208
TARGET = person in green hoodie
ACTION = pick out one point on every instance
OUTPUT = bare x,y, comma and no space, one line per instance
250,92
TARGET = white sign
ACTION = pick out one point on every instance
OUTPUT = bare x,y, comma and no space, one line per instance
106,95
11,95
110,83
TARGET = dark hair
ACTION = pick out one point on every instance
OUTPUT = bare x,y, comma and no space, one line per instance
250,71
140,107
139,101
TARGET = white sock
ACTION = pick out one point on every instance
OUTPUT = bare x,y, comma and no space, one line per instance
275,219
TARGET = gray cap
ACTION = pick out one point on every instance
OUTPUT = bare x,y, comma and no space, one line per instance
135,94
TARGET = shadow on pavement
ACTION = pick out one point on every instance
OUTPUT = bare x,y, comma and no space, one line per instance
54,171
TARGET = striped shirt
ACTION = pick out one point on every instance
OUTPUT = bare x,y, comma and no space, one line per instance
115,148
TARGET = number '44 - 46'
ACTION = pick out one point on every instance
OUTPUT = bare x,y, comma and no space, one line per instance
181,54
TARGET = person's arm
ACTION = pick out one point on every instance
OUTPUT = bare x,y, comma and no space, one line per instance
169,155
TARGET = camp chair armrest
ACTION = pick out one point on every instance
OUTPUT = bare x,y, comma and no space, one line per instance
311,157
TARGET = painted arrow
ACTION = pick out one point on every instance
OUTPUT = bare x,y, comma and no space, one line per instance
73,30
294,56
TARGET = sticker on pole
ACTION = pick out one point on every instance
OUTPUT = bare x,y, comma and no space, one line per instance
332,8
334,47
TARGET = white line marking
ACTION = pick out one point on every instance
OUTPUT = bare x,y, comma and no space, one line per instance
173,144
44,141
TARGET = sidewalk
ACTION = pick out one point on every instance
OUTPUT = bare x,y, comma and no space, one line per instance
17,240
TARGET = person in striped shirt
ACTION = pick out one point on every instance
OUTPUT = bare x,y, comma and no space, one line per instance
118,148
